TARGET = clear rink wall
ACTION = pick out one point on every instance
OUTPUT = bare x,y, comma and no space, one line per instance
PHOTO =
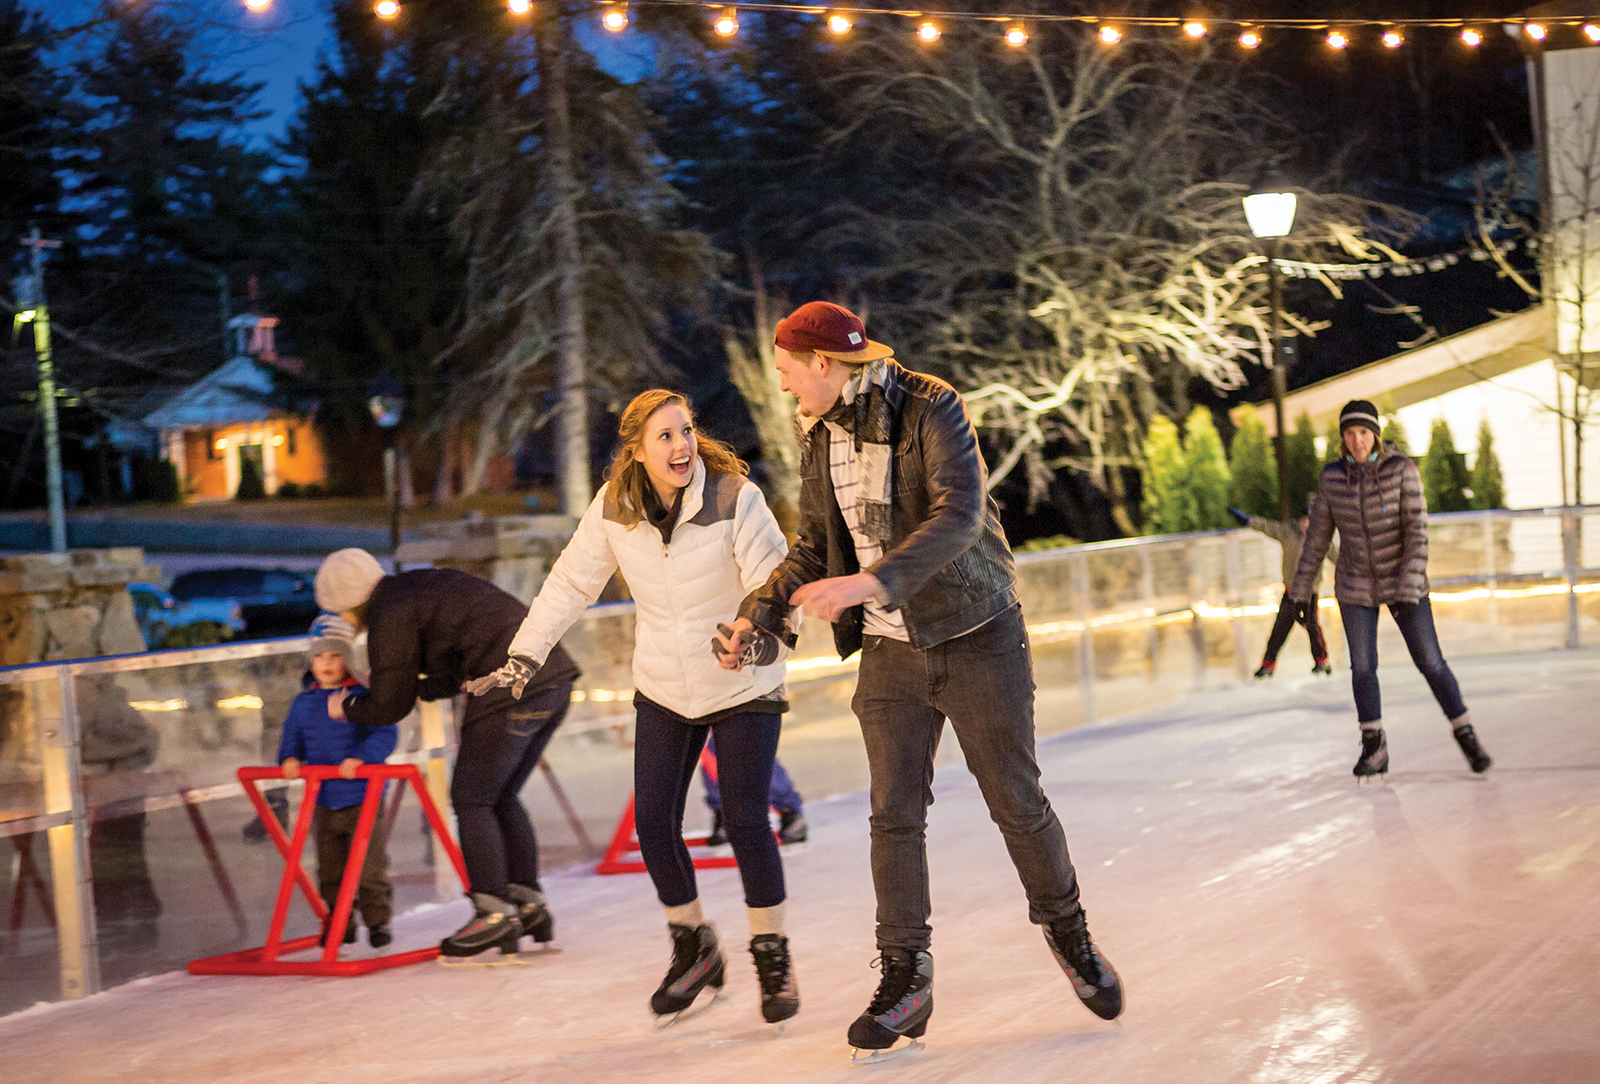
126,846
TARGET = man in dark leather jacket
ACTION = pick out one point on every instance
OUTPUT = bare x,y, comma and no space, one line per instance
900,547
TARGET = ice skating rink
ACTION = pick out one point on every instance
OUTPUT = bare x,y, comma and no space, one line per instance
1272,921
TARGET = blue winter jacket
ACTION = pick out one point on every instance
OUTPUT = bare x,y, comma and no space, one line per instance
312,738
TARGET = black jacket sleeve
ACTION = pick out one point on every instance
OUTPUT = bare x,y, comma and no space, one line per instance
394,649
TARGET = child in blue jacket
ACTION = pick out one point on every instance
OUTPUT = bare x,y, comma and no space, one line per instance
311,737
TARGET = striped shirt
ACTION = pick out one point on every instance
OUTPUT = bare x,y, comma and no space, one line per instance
845,472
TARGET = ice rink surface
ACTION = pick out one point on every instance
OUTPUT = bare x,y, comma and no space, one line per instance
1271,919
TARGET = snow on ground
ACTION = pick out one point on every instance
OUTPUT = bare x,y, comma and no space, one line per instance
1272,921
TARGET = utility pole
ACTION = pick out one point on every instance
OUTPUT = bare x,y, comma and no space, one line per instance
31,302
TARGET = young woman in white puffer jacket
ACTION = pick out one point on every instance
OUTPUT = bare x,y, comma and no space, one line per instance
691,536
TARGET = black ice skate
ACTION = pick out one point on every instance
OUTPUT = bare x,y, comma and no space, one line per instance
1266,670
1467,738
1093,979
533,913
696,964
901,1007
718,836
1322,667
493,924
791,827
1374,759
780,997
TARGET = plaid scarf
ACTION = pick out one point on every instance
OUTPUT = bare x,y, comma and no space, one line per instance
863,412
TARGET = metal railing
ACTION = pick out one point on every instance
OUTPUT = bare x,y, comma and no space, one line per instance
94,753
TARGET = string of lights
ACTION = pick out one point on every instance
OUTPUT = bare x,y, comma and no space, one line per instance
1421,265
1338,33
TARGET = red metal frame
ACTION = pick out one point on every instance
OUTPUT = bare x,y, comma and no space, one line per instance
265,960
625,841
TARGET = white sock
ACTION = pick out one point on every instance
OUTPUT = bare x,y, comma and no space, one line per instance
765,920
1464,719
1376,724
687,914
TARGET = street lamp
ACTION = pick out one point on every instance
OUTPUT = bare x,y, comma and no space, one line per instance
387,401
1269,209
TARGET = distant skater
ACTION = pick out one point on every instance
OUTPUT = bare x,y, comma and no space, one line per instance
1291,537
1373,495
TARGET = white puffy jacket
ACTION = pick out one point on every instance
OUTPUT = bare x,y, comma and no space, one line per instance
725,544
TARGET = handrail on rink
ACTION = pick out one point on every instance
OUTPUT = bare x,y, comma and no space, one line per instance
266,960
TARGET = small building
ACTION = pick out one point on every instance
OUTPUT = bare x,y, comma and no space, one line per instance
252,409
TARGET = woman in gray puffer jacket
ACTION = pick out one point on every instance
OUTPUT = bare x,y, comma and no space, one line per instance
1373,496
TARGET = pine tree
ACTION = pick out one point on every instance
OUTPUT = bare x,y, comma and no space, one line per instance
1333,443
1488,487
1304,468
1168,508
1205,468
1254,486
1444,472
29,117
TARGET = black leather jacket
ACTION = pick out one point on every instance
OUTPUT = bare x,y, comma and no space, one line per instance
947,566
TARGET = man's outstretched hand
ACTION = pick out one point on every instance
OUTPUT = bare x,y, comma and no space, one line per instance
516,673
831,597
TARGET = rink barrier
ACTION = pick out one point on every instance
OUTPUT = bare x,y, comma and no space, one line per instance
267,959
625,840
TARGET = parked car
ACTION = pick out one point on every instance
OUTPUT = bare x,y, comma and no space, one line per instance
169,622
275,601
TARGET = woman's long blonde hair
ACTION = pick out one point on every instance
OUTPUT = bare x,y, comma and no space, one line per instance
627,477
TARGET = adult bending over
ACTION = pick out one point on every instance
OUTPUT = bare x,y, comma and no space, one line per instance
452,626
1373,495
691,535
901,548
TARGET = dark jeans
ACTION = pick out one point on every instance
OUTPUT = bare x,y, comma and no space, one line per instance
1416,625
983,683
1286,621
781,795
336,830
498,752
666,748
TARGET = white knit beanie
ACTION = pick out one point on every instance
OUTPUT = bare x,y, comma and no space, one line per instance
346,579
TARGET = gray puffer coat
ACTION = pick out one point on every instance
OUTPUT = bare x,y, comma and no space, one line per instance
1381,514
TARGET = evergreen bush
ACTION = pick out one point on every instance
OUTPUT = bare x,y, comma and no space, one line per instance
1444,472
1205,468
1254,485
1167,508
1302,465
1488,487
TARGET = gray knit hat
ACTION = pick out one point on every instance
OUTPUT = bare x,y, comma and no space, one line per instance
333,633
1360,412
346,579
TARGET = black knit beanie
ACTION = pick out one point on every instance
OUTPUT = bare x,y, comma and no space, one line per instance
1360,412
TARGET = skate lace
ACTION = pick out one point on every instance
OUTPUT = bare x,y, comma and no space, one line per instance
1078,948
892,987
772,968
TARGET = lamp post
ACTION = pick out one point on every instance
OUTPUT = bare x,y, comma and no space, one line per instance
387,401
1270,211
29,289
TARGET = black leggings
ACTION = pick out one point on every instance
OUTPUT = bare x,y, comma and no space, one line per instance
498,752
1286,621
665,751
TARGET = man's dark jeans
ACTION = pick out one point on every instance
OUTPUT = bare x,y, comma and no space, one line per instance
498,752
1416,625
983,683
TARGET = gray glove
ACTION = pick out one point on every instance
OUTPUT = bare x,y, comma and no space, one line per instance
757,647
517,672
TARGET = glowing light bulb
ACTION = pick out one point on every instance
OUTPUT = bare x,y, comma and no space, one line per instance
928,32
1016,37
1471,37
615,19
1250,39
1535,31
386,9
1393,39
1110,35
727,23
838,24
519,7
1337,40
1592,32
258,5
1195,29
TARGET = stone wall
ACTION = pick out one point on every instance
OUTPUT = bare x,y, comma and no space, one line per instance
512,552
60,606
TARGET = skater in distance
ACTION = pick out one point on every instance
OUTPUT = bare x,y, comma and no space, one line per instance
310,736
1291,536
900,547
692,536
451,626
1373,496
